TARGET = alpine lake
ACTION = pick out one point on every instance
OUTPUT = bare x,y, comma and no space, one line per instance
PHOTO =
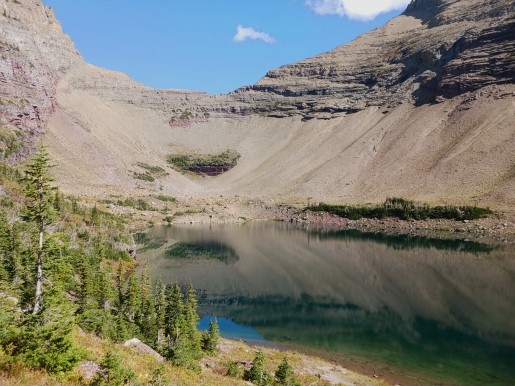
435,312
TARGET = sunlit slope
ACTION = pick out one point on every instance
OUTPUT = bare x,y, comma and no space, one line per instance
456,151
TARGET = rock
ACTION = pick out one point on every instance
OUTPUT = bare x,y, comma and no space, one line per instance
142,347
35,54
89,369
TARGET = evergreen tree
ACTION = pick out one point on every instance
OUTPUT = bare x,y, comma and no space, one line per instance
160,308
211,337
258,373
113,373
132,297
39,209
176,327
147,315
284,375
191,317
10,256
4,251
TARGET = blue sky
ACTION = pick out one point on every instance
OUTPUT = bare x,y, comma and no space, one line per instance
195,44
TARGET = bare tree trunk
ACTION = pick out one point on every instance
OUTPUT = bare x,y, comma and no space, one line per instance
39,272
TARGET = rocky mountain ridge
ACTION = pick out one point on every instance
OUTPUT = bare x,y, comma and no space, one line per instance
436,49
422,107
34,55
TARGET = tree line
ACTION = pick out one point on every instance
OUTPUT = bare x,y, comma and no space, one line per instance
62,264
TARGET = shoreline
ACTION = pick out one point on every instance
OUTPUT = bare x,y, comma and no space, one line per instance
497,229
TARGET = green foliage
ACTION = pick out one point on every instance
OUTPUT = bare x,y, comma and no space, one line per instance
112,374
164,198
211,337
138,204
90,281
284,375
44,345
403,209
146,176
157,378
204,163
10,141
258,374
234,370
150,173
39,190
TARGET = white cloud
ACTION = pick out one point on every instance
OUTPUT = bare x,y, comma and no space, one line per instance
356,9
245,33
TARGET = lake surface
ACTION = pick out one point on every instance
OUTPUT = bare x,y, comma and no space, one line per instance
443,311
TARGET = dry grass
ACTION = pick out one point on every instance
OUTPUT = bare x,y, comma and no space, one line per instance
309,370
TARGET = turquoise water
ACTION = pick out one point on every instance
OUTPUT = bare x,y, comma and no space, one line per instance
442,310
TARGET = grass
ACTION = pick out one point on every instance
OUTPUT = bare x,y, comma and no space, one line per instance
10,141
403,209
211,164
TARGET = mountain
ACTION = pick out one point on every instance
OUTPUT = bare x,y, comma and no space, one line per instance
423,107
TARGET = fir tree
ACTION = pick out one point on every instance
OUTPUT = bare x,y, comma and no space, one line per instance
211,337
147,315
284,375
132,297
160,308
191,317
113,373
176,327
39,209
258,373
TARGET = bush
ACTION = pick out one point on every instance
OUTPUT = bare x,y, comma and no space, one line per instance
403,209
234,370
210,164
48,347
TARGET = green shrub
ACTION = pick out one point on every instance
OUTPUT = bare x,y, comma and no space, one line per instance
166,198
403,209
234,370
212,164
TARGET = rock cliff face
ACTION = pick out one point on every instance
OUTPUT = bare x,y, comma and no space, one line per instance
34,54
436,49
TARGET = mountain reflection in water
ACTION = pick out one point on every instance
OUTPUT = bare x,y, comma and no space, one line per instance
443,308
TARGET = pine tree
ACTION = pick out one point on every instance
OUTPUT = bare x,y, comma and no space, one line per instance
160,307
284,375
192,319
132,297
4,250
147,315
258,373
178,347
211,337
39,209
113,373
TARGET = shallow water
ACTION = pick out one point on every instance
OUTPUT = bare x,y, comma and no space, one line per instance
443,310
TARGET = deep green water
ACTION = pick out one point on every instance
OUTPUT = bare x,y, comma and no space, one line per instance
443,311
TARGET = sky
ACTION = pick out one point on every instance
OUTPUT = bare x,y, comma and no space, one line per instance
213,45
